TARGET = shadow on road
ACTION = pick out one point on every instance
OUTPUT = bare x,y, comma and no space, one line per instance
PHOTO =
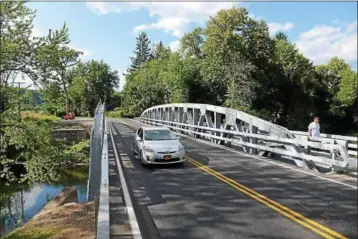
184,202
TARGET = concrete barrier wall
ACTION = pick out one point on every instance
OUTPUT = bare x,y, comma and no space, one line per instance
70,135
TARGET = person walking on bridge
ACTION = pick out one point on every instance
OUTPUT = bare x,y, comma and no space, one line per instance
313,128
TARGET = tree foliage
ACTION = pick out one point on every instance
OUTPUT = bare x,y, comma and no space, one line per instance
18,49
142,52
92,82
160,51
56,69
234,62
56,58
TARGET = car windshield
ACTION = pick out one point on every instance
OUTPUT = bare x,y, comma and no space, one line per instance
159,134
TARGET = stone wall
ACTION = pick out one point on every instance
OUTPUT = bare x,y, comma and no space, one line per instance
70,135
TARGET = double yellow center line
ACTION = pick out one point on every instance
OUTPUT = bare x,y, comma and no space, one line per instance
294,216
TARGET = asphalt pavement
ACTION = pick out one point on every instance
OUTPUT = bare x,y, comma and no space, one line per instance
221,194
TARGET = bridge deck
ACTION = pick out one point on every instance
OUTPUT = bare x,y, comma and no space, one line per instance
189,202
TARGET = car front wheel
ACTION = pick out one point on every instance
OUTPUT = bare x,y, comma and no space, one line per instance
141,158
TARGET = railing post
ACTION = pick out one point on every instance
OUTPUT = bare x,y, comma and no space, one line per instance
253,130
94,175
217,125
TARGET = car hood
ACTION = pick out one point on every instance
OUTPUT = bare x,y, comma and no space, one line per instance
164,145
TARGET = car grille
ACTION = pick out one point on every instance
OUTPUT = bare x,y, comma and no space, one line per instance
170,152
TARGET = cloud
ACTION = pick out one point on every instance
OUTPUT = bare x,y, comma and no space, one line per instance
256,18
174,45
36,32
103,8
173,17
275,27
85,52
122,79
176,26
323,42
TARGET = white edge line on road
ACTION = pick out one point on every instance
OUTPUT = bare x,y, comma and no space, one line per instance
132,217
252,156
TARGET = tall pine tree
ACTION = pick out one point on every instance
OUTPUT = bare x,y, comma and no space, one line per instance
159,50
142,52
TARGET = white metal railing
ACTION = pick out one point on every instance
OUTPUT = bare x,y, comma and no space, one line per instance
349,142
96,144
98,181
332,154
103,226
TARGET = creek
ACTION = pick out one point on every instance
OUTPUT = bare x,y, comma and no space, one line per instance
20,202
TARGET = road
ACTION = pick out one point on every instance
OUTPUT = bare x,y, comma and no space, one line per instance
221,194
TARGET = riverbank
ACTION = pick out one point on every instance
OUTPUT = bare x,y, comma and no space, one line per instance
20,202
61,218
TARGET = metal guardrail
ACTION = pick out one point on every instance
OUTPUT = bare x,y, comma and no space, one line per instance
250,133
349,142
98,180
103,230
93,185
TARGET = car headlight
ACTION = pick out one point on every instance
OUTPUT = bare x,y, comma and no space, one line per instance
148,149
181,148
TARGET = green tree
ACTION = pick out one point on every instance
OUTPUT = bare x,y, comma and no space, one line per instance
92,82
240,84
232,31
159,50
332,73
191,43
142,52
28,100
347,93
56,58
295,84
333,78
281,36
18,49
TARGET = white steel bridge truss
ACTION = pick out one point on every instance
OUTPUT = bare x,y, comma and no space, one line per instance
228,126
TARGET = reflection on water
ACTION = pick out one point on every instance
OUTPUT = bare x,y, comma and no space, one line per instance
19,203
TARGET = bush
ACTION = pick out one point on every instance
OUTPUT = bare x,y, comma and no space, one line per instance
39,116
131,111
114,114
29,140
78,153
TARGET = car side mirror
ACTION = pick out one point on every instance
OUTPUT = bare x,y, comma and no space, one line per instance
138,138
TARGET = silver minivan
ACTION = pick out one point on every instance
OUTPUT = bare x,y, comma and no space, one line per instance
157,145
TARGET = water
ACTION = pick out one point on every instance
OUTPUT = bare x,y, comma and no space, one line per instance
19,203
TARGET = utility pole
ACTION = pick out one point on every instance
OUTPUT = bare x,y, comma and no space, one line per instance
19,95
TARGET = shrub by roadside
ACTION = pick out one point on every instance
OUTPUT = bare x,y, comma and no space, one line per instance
78,153
114,114
40,116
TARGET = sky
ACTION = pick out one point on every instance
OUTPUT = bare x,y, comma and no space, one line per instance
107,30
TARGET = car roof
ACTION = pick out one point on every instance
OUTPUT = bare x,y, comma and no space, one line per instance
154,128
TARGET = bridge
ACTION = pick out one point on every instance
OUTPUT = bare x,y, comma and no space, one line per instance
244,177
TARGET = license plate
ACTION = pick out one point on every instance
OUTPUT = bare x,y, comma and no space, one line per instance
167,157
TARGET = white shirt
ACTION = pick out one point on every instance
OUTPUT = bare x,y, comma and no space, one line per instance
314,129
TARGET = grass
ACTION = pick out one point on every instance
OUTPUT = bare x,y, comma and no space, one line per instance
44,232
63,222
40,116
114,114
